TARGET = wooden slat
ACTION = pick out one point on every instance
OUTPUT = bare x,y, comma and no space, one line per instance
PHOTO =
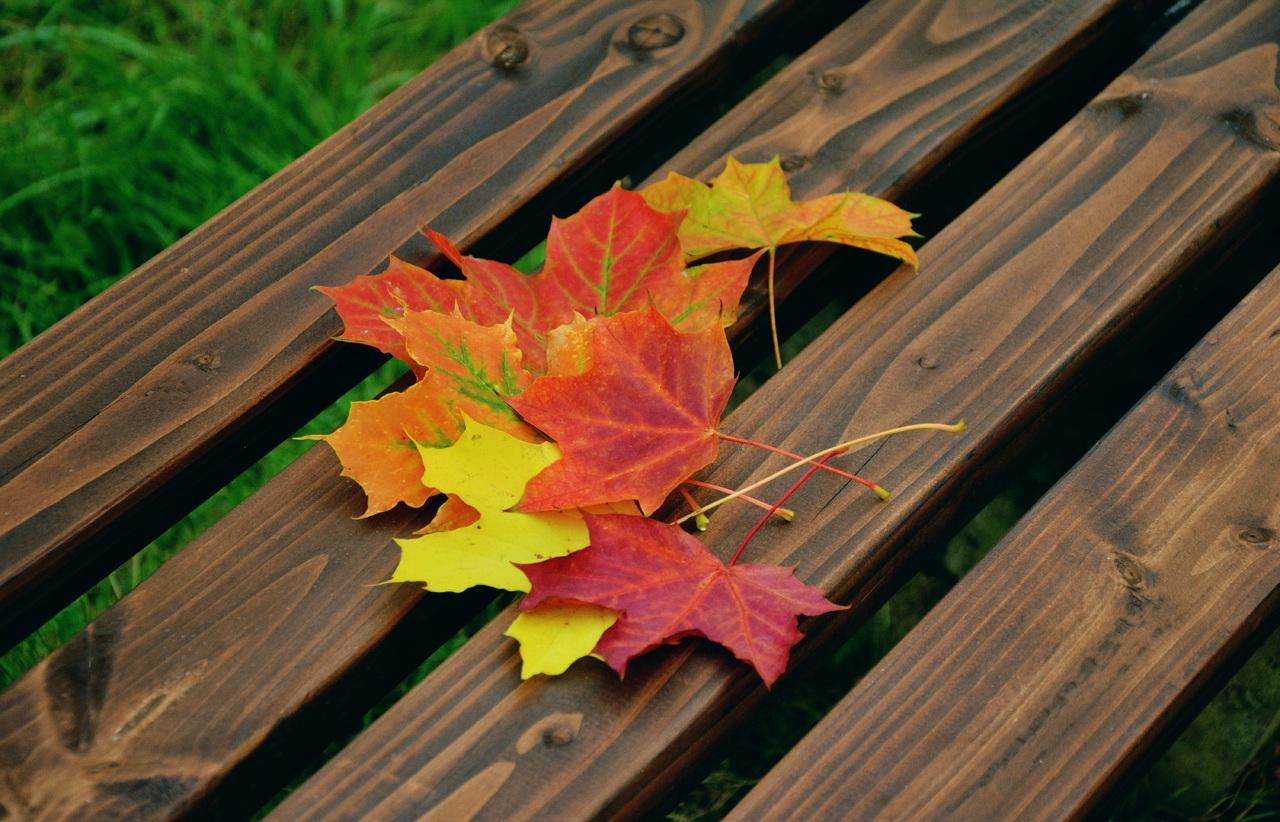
121,417
1051,667
242,644
1034,282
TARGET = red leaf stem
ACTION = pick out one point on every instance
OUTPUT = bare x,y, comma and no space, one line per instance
799,458
795,487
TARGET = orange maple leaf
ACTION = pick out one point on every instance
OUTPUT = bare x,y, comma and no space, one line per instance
376,443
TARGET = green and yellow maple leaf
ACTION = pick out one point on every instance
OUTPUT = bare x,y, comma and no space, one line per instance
749,206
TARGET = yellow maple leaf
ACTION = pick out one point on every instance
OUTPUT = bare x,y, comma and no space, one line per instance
487,469
554,636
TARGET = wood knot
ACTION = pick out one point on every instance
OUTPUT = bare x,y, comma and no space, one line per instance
505,48
655,31
1129,569
209,363
1184,389
562,733
1257,536
75,681
794,162
1260,128
830,81
926,362
1127,105
552,731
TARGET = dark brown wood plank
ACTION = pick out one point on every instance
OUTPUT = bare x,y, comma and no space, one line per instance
248,642
897,60
1045,674
1032,284
124,415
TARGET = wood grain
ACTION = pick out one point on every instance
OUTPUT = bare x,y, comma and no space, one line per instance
120,418
893,62
1050,668
1036,281
227,661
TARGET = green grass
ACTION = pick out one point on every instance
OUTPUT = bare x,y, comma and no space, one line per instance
127,124
123,125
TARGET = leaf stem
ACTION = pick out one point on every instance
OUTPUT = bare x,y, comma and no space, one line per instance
954,428
813,469
883,494
784,513
773,311
699,522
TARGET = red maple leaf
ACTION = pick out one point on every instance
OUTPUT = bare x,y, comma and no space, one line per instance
368,301
637,422
665,585
617,254
497,292
613,255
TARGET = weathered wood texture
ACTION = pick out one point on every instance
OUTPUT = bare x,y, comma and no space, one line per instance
1039,278
1046,672
119,418
892,64
242,642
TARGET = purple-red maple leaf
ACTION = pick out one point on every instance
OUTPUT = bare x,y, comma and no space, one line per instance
665,585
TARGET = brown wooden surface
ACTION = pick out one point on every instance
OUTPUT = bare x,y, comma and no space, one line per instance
247,639
124,415
1040,277
897,61
1048,670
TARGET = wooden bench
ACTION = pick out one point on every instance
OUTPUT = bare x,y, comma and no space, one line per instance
1083,199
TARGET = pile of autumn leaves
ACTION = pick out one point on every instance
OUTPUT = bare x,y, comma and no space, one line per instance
557,411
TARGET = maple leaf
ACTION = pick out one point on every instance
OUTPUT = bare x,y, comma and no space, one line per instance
365,303
637,422
476,365
706,294
749,206
556,635
376,445
611,255
569,347
616,254
453,513
500,292
487,468
665,585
